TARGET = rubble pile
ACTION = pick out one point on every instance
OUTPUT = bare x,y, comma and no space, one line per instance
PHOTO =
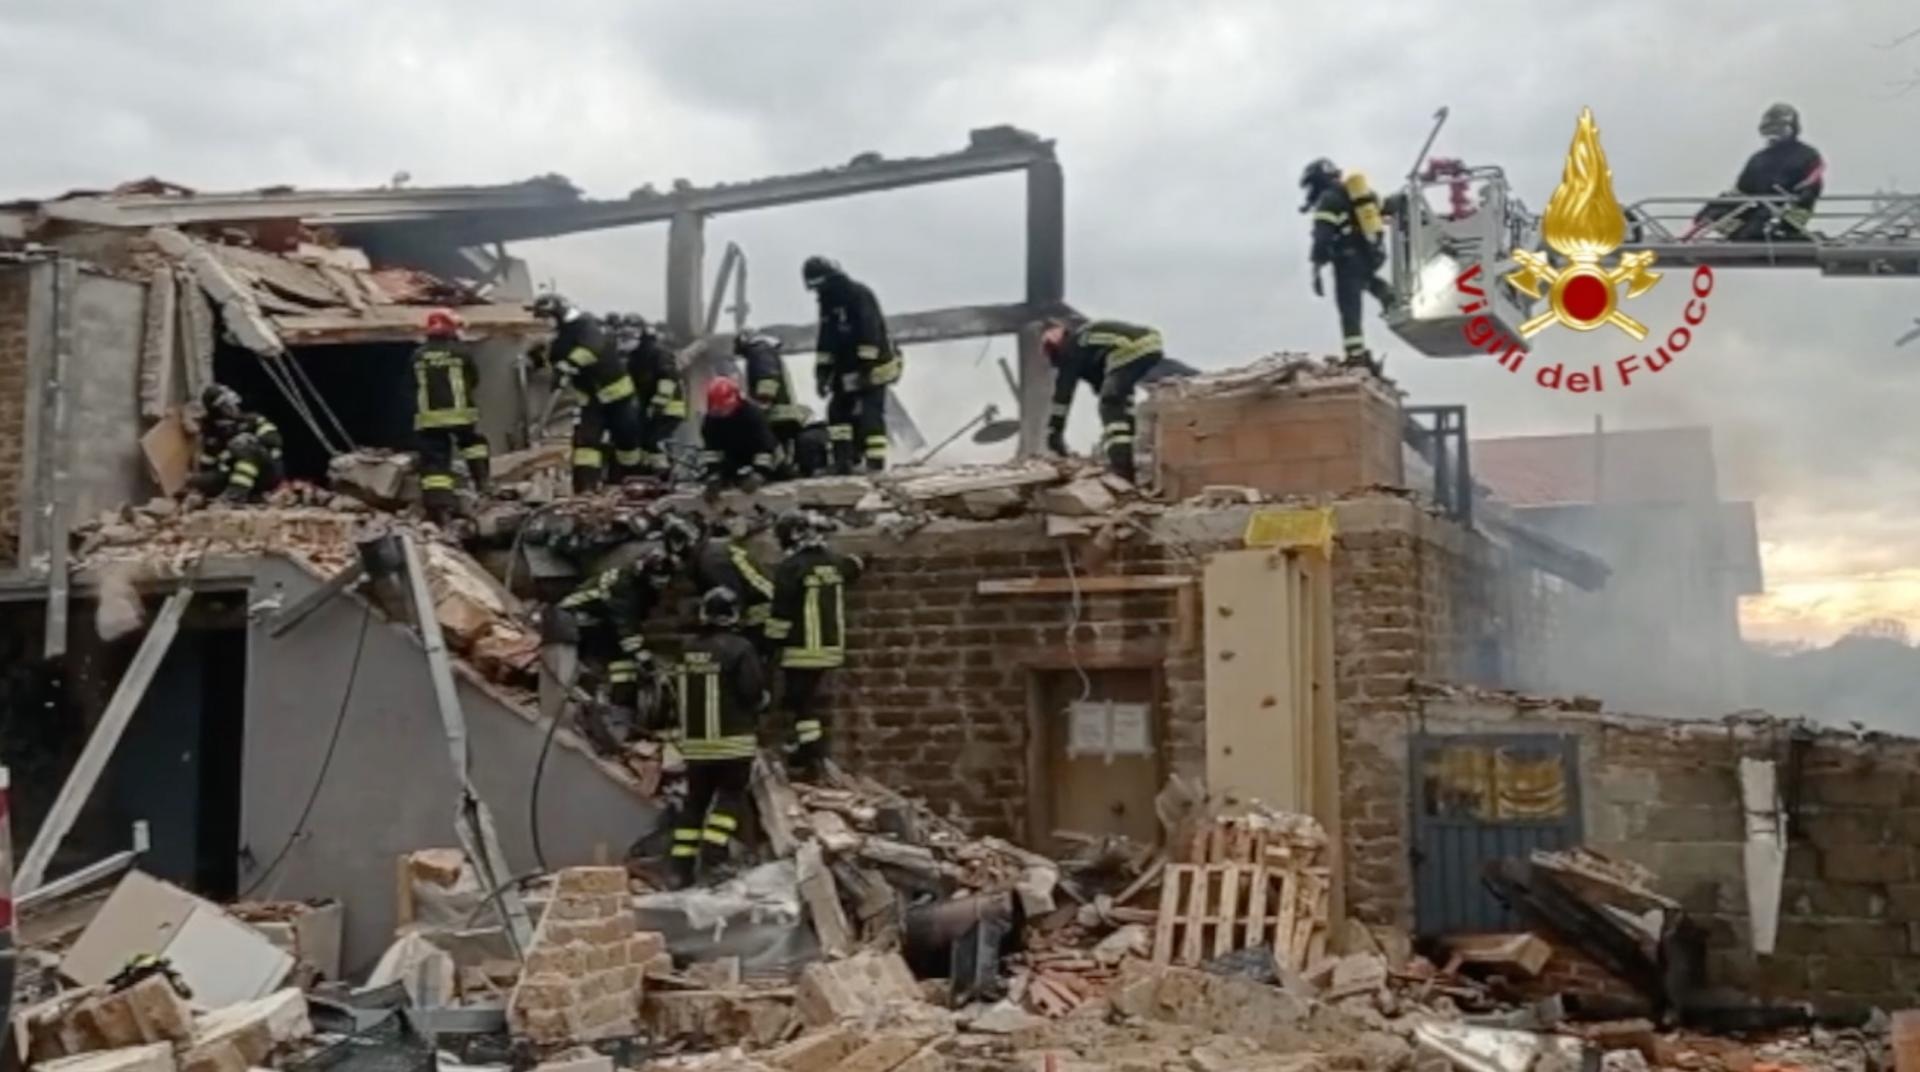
1272,372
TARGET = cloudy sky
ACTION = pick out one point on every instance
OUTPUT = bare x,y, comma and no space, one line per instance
1182,128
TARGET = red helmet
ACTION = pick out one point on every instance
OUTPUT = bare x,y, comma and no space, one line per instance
443,324
723,396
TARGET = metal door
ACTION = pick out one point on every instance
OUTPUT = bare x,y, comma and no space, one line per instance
1479,798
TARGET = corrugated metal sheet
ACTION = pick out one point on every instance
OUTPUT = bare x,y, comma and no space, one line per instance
1457,835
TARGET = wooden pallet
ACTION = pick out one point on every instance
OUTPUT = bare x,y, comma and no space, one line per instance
1230,841
1210,910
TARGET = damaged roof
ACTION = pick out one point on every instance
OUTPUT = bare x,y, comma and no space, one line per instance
1655,465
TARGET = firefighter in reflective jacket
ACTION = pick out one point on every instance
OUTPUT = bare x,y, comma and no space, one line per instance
723,561
240,453
855,362
1348,233
445,414
720,699
809,624
772,391
583,353
1112,358
662,392
737,443
1785,166
608,613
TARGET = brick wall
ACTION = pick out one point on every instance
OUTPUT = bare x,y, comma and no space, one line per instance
934,698
1666,794
1322,439
13,404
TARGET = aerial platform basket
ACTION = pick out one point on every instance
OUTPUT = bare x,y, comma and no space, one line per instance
1445,228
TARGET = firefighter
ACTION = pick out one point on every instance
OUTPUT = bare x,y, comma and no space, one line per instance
662,392
1785,166
772,391
723,561
808,623
446,414
1112,358
721,699
241,454
605,616
812,446
737,443
854,364
1348,233
583,354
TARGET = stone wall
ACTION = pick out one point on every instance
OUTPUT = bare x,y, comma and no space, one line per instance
14,287
1666,794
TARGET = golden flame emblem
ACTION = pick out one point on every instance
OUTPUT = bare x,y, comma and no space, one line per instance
1584,223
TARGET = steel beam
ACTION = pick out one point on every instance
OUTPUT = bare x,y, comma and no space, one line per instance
474,823
105,737
934,325
75,881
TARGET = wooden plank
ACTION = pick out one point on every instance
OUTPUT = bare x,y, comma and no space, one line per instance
1229,911
1283,950
1171,886
822,897
1906,1040
1061,586
1258,931
1518,952
402,893
169,452
1196,916
775,802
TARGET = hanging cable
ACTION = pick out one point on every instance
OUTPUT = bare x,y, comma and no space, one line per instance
320,400
326,761
291,393
1073,626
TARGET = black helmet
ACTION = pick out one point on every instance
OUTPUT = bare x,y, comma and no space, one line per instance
817,270
220,399
551,306
655,566
1779,122
749,340
678,534
796,529
1319,174
720,606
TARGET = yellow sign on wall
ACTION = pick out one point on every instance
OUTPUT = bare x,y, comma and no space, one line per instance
1298,527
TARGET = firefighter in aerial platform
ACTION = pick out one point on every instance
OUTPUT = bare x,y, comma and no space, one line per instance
446,415
855,362
772,391
808,623
662,392
737,443
583,353
1785,166
240,452
720,704
603,619
1349,234
1111,357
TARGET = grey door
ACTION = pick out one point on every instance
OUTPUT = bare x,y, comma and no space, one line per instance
1479,798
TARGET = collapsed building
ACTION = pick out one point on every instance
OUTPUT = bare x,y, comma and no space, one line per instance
1311,608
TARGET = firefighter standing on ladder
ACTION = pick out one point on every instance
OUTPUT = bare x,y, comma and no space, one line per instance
445,415
1348,233
583,353
720,698
809,623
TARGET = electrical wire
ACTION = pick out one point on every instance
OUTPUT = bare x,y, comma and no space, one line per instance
320,400
1073,626
540,765
326,762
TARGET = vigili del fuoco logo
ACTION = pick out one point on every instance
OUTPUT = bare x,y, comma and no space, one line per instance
1585,225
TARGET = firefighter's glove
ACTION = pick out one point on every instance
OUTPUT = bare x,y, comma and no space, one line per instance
1319,287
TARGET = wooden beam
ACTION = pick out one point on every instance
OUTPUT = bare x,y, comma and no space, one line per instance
100,745
1066,586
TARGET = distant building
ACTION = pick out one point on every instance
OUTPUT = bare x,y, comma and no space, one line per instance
1664,633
